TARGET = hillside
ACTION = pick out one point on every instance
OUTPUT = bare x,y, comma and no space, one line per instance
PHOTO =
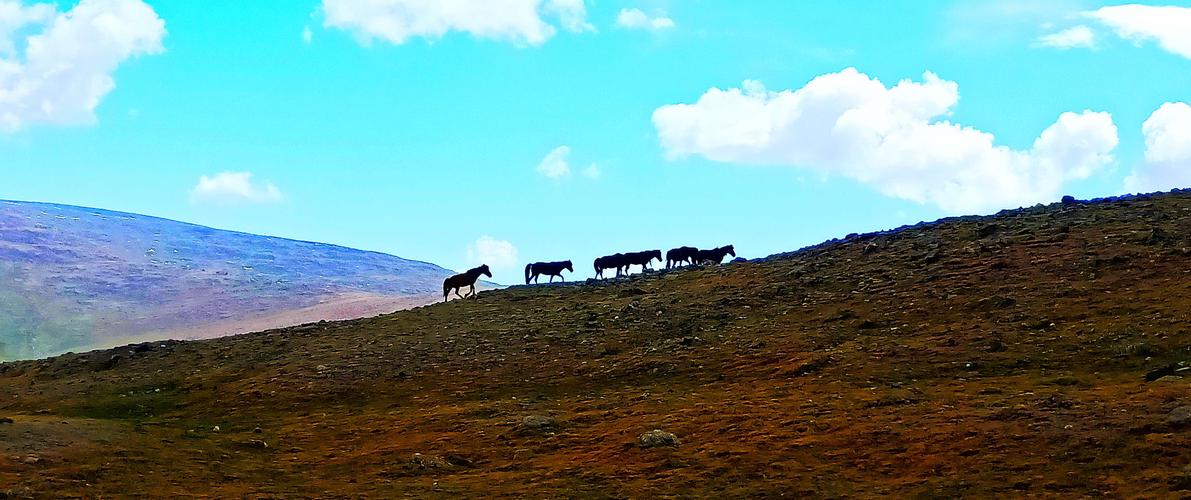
75,278
1036,352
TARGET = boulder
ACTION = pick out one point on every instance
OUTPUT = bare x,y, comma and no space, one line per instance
658,438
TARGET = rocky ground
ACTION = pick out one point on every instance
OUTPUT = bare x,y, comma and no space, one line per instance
1038,352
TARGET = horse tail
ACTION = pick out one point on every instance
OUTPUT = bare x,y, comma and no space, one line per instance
445,289
528,269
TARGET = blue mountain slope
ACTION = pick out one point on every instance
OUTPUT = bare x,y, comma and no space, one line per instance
73,277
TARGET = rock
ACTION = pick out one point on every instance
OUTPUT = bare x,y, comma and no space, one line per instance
658,438
1158,373
5,420
428,461
1179,417
32,459
1069,200
142,348
215,429
256,443
738,260
538,423
257,430
1170,378
630,292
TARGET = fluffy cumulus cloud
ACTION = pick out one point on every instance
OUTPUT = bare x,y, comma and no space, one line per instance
1071,38
233,188
523,22
1169,26
498,254
554,165
56,67
638,19
1168,151
891,138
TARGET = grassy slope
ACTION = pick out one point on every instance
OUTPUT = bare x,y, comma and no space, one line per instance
1000,355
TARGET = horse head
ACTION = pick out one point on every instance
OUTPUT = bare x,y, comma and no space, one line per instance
484,270
569,268
731,250
655,254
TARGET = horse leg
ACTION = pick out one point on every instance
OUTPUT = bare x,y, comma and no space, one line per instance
457,293
473,290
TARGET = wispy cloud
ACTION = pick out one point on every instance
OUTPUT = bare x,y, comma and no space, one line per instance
1071,38
1168,26
233,188
497,254
522,22
639,20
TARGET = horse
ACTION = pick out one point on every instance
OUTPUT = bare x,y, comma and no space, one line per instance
715,255
616,260
459,281
680,255
551,269
642,259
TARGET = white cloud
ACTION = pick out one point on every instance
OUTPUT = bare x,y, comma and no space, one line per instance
396,21
498,254
233,188
1168,151
1070,38
554,165
637,19
307,35
56,67
893,139
592,172
1169,26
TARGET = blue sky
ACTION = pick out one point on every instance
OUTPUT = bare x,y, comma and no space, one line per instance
420,136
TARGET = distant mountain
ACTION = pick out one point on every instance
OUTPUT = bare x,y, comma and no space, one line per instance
75,278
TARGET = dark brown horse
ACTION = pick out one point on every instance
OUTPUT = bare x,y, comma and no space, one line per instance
681,255
641,259
614,261
551,269
459,281
715,255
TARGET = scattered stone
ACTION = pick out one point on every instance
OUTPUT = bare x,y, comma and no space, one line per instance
5,420
32,459
1069,200
1170,378
256,443
142,348
257,430
658,438
215,429
321,368
1179,417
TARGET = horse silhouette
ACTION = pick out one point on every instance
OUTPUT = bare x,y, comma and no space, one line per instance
551,269
459,281
681,255
641,259
614,261
715,255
